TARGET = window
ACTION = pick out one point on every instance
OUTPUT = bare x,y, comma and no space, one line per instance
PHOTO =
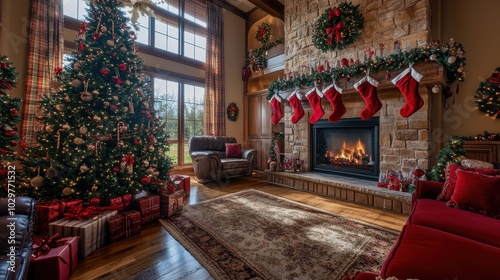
75,8
195,42
171,98
167,36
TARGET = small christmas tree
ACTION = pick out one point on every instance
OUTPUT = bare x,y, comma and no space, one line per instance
100,137
9,118
453,153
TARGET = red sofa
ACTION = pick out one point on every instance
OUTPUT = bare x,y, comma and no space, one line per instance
441,242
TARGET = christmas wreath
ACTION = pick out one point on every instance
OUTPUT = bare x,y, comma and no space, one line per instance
338,27
263,33
488,95
232,112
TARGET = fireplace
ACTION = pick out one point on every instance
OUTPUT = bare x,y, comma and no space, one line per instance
348,147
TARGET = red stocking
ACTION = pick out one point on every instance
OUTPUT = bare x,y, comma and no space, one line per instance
276,105
296,104
333,94
367,88
314,96
407,82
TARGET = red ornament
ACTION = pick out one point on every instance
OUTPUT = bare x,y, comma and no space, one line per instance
14,112
113,108
96,36
137,142
116,169
58,71
81,46
122,66
387,75
104,72
13,143
321,68
145,180
10,133
117,80
3,65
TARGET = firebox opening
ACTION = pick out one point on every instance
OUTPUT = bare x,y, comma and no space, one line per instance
348,147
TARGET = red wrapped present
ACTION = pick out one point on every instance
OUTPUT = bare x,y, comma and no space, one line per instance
171,203
46,212
92,233
132,222
116,228
127,201
56,264
182,182
149,206
67,204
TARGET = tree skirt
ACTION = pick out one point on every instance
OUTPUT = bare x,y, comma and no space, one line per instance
255,235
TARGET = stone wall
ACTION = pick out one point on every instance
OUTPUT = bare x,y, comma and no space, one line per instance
385,21
404,142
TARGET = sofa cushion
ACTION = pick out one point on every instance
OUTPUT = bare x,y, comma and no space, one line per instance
477,193
435,214
233,150
451,178
233,163
427,253
210,143
475,163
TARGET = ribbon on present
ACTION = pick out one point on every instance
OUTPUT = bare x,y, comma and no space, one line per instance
80,213
44,247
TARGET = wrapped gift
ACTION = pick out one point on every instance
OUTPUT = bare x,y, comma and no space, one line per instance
92,232
132,222
46,212
116,228
149,206
171,203
127,201
56,264
121,203
183,182
66,204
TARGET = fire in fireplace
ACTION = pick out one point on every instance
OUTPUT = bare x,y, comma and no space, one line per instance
348,147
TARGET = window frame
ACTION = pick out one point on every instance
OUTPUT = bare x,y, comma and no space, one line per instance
150,49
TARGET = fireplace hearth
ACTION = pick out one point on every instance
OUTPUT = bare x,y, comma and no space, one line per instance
348,147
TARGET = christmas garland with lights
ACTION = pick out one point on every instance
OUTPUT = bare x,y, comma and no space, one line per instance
233,112
338,27
263,33
450,56
488,95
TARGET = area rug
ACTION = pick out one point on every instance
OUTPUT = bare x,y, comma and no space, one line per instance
255,235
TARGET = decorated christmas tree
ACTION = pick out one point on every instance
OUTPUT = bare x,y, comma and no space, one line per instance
453,153
100,137
9,117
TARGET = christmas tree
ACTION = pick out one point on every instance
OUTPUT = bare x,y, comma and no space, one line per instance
99,137
453,153
9,117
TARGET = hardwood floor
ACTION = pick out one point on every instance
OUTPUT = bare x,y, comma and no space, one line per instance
155,254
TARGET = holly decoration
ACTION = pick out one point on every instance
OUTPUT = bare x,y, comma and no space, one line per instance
263,33
100,125
453,153
233,112
346,69
338,27
488,95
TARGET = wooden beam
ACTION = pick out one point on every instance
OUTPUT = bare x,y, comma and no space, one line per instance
272,7
230,8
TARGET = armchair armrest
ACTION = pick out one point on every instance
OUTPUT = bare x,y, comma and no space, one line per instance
248,153
207,166
427,189
197,154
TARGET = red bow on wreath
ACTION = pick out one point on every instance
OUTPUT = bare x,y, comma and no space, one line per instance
333,13
262,32
337,29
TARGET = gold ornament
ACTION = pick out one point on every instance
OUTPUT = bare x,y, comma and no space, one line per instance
150,171
110,43
151,148
66,126
96,118
145,163
78,141
68,191
67,99
77,65
86,96
76,83
60,107
91,147
49,128
84,168
37,181
95,91
104,29
83,129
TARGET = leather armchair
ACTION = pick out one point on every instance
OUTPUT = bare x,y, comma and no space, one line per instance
16,231
210,162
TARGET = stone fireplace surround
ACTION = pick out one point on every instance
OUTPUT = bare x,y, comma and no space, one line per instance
404,142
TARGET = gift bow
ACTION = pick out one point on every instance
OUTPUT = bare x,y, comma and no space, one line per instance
138,7
46,245
337,30
79,213
128,159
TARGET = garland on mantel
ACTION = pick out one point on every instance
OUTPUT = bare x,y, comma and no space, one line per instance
451,56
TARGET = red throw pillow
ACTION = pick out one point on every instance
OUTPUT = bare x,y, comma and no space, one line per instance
451,178
233,150
477,193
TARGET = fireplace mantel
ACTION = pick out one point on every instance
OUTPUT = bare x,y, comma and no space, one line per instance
432,74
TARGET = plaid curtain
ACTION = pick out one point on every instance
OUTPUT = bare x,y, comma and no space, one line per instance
46,45
215,117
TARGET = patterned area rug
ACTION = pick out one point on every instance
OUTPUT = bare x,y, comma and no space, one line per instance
255,235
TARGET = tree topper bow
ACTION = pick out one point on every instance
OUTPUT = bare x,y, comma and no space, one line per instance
141,7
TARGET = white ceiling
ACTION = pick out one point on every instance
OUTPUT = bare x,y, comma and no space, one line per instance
243,5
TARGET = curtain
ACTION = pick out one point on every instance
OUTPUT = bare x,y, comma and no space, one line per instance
45,50
215,121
